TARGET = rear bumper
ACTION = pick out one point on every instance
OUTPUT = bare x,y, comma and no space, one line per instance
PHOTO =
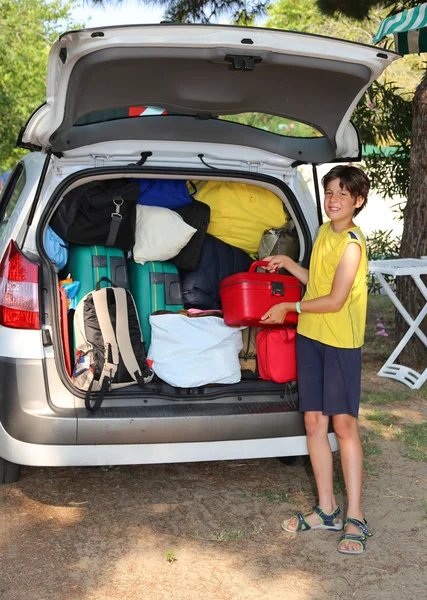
39,455
42,424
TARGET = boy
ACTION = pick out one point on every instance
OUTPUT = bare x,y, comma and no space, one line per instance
331,328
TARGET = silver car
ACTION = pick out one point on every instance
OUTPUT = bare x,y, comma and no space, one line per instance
203,84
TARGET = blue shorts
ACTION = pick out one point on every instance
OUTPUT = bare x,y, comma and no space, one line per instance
329,378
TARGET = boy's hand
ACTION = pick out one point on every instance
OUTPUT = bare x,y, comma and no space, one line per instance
275,315
275,262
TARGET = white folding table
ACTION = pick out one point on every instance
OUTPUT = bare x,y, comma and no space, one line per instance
414,267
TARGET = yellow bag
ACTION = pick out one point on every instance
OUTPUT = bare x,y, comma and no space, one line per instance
240,213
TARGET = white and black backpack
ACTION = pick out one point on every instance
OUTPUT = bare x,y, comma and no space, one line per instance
110,352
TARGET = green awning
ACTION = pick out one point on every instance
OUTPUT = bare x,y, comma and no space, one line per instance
409,29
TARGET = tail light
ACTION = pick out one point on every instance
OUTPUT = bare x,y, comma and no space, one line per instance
19,290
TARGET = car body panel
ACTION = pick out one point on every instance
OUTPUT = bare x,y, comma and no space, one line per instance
205,71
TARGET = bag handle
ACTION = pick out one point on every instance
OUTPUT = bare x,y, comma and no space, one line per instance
98,285
256,264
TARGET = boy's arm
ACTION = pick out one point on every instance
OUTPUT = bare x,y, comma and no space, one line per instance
333,302
285,262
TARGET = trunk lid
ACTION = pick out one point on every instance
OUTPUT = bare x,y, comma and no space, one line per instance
205,72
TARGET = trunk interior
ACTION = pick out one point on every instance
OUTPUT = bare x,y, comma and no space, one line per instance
245,409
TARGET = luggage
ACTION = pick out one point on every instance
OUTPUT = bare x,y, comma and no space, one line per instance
276,352
240,213
160,234
89,264
191,351
197,215
167,193
245,297
56,249
110,350
247,355
280,241
154,286
63,316
100,212
200,288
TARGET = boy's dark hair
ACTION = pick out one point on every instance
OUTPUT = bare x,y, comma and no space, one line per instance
352,178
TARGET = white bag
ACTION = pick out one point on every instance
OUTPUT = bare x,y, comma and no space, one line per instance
160,234
194,351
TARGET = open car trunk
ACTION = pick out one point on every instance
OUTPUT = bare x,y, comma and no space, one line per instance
163,413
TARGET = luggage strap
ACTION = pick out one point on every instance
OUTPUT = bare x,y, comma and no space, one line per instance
116,219
111,350
123,339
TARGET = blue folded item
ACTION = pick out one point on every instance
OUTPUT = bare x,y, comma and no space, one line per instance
56,248
71,291
166,193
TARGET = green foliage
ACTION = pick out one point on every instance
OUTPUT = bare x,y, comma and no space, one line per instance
381,245
414,437
362,8
170,556
274,124
27,30
383,115
242,12
384,118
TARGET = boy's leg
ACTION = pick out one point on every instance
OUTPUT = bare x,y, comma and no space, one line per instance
347,432
316,425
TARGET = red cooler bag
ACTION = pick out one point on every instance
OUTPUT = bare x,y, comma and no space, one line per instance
276,354
245,297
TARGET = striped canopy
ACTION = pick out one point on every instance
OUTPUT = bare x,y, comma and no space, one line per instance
409,29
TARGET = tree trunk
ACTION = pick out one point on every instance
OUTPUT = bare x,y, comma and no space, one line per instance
414,237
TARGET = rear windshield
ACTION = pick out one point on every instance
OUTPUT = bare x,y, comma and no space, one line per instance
270,123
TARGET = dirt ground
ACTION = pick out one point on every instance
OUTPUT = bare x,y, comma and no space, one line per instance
106,533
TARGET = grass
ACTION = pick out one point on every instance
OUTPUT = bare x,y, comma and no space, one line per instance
382,418
370,450
414,436
384,397
224,535
271,496
170,556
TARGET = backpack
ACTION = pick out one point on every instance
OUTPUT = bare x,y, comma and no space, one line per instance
99,213
110,353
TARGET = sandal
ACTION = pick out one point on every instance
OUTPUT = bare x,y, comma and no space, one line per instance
329,522
352,537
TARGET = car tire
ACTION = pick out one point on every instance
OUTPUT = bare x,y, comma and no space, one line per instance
295,461
9,472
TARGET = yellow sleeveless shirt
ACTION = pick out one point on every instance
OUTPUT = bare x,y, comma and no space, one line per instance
345,328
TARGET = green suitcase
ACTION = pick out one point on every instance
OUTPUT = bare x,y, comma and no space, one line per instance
154,286
88,264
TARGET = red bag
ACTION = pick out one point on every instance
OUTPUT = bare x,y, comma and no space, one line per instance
63,315
276,354
245,297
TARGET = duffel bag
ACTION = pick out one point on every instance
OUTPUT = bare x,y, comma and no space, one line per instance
191,351
99,213
240,212
110,352
276,354
166,193
197,215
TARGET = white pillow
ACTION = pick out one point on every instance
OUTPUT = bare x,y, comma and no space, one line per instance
160,234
